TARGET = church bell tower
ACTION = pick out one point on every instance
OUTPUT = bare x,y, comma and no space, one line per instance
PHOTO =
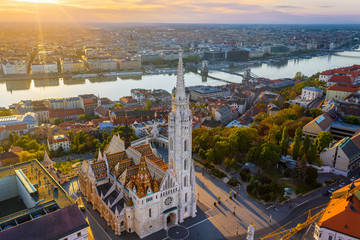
180,146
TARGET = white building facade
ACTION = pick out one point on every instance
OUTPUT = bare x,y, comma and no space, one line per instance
310,93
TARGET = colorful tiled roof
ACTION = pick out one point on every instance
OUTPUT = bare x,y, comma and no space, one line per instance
99,169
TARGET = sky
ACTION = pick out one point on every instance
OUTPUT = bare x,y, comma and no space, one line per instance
182,11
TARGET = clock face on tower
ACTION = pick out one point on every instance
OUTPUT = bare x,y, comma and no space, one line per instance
168,201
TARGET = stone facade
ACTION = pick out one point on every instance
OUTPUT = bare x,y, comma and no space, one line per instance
133,188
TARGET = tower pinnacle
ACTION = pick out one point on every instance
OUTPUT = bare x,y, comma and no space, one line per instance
180,84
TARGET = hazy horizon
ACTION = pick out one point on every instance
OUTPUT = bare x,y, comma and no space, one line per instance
185,11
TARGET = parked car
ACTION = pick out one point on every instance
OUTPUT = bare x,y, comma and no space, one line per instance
331,190
342,184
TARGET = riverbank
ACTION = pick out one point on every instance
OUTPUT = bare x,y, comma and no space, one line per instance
5,78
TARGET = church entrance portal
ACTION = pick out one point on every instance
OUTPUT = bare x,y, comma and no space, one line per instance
171,220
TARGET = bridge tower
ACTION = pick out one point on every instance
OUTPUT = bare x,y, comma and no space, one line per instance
204,67
247,75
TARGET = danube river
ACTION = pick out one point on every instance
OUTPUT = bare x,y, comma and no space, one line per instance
14,91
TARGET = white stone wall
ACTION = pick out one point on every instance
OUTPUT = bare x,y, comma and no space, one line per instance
326,234
324,78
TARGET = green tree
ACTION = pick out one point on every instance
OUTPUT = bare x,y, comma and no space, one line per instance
296,145
314,112
299,76
148,105
253,154
210,155
306,146
311,157
105,136
11,138
284,143
71,135
227,163
311,176
57,121
352,120
323,140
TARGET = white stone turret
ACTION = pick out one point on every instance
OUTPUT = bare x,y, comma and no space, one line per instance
155,130
180,139
100,157
99,101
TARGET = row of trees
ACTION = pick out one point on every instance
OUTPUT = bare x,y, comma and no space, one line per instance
223,145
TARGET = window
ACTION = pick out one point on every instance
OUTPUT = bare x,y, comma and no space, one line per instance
185,164
185,181
330,238
185,198
150,212
79,234
185,145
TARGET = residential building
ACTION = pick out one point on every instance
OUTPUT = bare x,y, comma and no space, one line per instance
106,126
310,93
342,79
89,103
223,114
266,97
33,213
341,217
137,191
344,156
29,119
330,121
197,93
340,91
130,63
65,114
66,103
44,68
100,65
8,158
72,66
57,141
15,67
107,103
128,101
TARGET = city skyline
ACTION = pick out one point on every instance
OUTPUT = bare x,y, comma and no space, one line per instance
159,11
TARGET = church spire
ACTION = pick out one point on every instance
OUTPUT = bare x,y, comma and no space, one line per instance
180,84
127,134
99,100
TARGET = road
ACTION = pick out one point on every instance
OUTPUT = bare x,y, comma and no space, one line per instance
85,156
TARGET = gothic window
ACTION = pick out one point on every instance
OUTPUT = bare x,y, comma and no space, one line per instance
185,145
185,197
185,163
185,209
185,181
149,212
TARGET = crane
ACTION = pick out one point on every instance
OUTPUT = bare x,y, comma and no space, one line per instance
281,234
